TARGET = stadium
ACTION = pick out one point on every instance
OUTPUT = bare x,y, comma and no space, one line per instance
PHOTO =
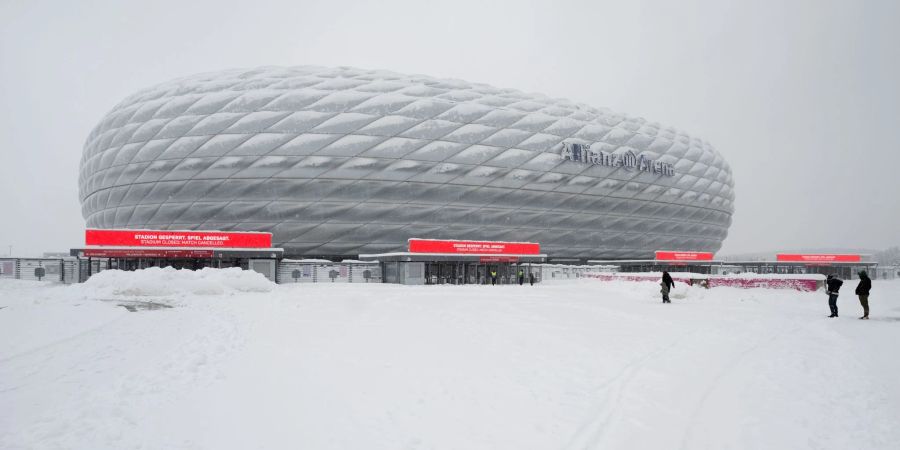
342,162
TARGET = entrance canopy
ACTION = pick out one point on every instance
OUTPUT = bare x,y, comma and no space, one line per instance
175,252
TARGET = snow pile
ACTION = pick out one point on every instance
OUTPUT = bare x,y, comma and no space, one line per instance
159,282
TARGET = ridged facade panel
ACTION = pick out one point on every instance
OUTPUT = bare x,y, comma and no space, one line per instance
343,161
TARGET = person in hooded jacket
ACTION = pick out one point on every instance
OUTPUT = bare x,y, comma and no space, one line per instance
862,290
667,284
832,286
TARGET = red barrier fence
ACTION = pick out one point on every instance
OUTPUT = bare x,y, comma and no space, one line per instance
767,283
638,277
776,282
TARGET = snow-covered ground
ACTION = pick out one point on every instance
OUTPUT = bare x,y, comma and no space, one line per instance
237,363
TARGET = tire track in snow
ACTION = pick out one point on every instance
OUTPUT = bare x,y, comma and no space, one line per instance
594,428
721,375
167,369
64,340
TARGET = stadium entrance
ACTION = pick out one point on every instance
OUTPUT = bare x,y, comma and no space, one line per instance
477,273
432,261
194,250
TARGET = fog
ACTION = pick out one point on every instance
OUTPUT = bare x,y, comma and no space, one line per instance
801,98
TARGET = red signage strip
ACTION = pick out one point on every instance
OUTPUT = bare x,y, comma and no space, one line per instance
816,258
137,253
473,247
166,238
683,256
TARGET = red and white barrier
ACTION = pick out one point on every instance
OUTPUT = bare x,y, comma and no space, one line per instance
766,283
612,276
800,282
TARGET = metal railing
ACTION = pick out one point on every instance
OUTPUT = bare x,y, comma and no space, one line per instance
53,270
315,271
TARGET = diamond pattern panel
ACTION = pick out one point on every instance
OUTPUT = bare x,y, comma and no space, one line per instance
345,161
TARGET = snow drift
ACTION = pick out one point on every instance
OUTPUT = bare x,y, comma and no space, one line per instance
168,281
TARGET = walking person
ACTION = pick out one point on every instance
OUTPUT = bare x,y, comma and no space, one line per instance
521,277
531,278
493,278
862,290
667,284
833,285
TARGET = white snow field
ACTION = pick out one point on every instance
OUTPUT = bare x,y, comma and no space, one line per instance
239,363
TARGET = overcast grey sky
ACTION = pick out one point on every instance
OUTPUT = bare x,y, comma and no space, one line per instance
801,97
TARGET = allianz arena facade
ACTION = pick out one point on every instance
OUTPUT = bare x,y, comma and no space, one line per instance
338,162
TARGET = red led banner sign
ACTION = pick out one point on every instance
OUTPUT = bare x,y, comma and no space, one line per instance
166,238
683,256
139,253
816,258
473,247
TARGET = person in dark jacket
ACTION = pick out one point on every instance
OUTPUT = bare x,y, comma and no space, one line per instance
531,278
667,284
832,286
862,290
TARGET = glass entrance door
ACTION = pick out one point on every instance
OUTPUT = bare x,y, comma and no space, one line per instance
451,272
445,273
